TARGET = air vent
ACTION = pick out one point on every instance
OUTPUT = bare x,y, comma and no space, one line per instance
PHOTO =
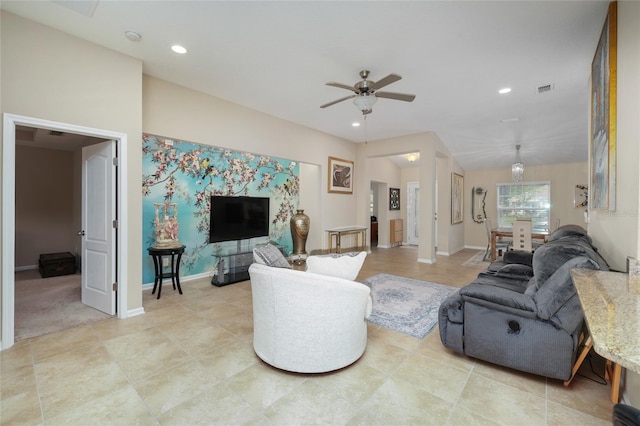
544,88
55,133
86,8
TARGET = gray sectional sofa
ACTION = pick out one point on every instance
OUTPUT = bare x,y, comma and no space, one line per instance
523,312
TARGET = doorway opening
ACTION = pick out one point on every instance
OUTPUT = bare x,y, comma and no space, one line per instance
13,123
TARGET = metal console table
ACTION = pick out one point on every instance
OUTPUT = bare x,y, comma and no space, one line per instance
359,231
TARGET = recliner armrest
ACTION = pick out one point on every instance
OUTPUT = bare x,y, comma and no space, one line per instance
500,299
554,293
518,257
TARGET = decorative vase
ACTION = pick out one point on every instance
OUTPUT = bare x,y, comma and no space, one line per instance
166,224
299,231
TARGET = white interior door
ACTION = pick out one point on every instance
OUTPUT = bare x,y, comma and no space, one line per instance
98,232
413,213
435,217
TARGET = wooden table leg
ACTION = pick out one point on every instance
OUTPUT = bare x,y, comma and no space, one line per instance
588,344
493,246
614,371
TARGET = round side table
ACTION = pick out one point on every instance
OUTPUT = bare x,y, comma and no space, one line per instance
176,254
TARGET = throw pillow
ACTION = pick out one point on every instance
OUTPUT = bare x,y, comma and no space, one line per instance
345,266
270,255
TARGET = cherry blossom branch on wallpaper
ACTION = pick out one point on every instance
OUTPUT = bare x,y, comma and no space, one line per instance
189,173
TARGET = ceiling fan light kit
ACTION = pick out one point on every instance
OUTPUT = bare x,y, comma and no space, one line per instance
365,102
366,94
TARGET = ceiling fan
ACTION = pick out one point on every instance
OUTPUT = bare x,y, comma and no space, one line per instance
366,92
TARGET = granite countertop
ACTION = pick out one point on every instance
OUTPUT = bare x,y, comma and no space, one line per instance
611,304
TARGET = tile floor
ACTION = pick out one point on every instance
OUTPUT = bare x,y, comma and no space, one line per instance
189,360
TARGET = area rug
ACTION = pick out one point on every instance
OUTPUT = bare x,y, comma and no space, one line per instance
477,260
406,305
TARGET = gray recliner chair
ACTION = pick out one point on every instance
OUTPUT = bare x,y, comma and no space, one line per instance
524,312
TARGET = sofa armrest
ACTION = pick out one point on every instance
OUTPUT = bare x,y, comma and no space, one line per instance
452,308
554,293
500,299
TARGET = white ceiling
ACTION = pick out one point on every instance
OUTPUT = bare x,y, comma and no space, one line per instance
454,56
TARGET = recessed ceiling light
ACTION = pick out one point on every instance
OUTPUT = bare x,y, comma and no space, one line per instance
178,49
132,35
356,124
504,91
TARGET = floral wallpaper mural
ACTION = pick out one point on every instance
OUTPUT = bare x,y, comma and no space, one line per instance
188,174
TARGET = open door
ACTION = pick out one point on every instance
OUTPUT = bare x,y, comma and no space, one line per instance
98,226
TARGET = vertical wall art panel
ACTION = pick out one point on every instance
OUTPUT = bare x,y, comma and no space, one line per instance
188,174
604,116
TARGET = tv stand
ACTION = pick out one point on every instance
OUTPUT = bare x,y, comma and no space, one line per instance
233,265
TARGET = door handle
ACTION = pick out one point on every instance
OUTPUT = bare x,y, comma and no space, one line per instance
81,233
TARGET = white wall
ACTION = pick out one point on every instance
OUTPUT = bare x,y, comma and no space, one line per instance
429,146
177,112
409,174
50,75
310,190
617,233
44,204
387,175
611,230
563,178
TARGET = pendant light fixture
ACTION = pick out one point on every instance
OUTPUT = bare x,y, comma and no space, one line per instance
411,157
517,169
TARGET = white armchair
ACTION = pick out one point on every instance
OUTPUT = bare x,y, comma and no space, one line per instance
305,322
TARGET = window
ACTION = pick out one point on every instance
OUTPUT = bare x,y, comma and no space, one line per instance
530,200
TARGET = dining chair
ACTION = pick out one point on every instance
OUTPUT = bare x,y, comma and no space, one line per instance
501,245
522,235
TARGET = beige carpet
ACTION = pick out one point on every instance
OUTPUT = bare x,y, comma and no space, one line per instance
47,305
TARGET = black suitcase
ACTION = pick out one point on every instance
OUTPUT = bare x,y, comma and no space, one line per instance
56,264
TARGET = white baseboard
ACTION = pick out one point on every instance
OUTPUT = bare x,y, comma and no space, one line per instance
25,268
135,312
476,247
429,261
185,279
195,277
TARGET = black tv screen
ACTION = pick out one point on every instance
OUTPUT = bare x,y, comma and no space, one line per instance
238,218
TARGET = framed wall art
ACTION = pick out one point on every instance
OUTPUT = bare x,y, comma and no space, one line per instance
394,198
457,198
340,179
603,116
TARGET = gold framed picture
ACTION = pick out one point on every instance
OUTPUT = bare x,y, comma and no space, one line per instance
340,179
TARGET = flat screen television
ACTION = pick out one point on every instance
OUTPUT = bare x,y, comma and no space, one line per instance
238,218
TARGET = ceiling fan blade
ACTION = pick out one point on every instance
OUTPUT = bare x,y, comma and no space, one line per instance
340,85
397,96
391,78
337,100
